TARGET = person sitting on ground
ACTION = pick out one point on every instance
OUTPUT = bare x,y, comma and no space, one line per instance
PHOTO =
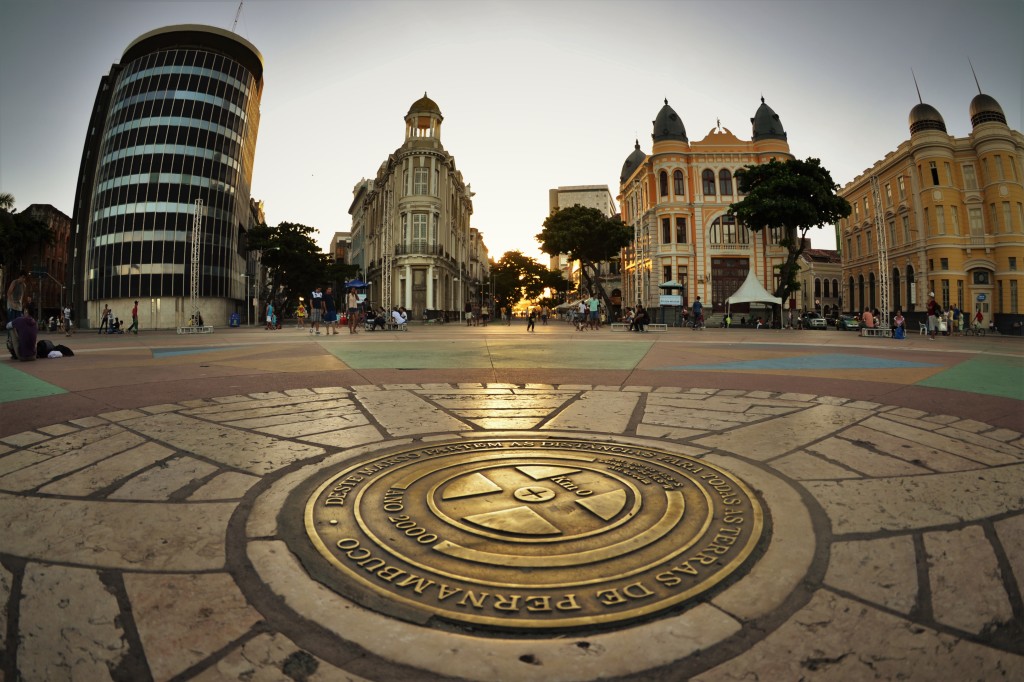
24,332
397,317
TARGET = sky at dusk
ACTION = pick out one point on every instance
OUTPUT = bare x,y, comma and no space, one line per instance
534,94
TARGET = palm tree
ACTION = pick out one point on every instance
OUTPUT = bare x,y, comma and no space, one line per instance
6,201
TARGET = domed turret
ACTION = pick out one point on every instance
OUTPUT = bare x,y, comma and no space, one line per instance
985,109
925,117
767,125
633,162
668,125
425,105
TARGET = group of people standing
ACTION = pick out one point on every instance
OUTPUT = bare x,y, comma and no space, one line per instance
324,310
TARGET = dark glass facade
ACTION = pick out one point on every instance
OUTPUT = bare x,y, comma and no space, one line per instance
180,124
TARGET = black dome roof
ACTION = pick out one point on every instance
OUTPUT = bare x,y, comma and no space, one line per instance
668,125
925,117
633,162
985,109
767,125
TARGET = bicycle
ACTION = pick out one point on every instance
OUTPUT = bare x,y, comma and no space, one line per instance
973,330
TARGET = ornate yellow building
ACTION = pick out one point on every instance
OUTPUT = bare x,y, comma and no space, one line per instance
951,212
676,200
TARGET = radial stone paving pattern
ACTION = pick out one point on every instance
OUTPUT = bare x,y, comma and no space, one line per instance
505,532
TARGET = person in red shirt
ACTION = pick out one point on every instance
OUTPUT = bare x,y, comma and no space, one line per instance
135,319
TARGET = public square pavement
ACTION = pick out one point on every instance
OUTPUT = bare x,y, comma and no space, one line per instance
145,482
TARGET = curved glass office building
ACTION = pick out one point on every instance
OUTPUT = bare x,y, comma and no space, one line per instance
175,122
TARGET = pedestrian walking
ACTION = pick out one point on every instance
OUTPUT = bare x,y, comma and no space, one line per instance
270,315
105,320
352,306
531,321
135,319
933,315
316,310
330,312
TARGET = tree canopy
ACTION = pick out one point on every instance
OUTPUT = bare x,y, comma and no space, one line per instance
296,264
517,276
793,196
21,237
587,235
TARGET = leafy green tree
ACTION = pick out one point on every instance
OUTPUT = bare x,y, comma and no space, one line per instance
793,196
295,263
517,276
21,238
587,235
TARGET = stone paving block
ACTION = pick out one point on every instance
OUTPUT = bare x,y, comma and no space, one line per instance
731,392
910,451
919,501
971,425
19,459
786,433
575,387
1002,435
805,467
322,425
697,420
403,413
658,431
532,387
183,619
596,411
4,449
270,417
298,391
227,486
507,423
668,389
331,390
88,422
882,571
609,388
108,471
346,438
122,415
940,419
834,638
158,409
1010,532
854,455
862,405
232,399
57,429
138,536
75,441
163,481
799,397
271,658
907,412
54,467
962,562
637,389
270,407
400,387
68,627
991,453
250,452
24,438
831,400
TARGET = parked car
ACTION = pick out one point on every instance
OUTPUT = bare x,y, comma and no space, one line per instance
813,321
847,323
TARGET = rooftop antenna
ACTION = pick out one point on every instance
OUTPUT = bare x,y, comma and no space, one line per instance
237,15
919,100
975,75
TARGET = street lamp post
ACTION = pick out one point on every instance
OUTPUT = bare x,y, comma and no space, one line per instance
245,294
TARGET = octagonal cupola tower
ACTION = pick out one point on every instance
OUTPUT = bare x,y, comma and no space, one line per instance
633,161
766,124
668,126
423,120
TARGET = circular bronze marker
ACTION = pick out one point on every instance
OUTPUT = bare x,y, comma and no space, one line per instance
531,534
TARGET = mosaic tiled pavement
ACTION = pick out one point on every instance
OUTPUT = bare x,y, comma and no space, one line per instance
152,541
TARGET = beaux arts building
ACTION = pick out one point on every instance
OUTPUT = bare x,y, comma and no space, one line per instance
951,211
410,225
175,121
676,200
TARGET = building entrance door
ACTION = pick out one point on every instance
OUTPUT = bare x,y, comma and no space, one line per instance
727,275
419,292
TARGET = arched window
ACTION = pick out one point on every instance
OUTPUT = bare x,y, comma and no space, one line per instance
871,290
677,180
850,304
725,182
725,231
860,294
897,302
663,183
708,180
817,288
826,288
911,287
835,288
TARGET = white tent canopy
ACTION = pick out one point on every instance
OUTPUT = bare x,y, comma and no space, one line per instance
751,291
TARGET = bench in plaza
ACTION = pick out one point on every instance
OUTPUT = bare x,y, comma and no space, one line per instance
193,329
619,326
875,332
657,327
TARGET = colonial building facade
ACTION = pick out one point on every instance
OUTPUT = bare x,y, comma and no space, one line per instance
676,199
172,136
819,276
949,218
410,224
50,262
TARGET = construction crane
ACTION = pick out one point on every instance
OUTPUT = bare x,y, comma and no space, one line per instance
237,15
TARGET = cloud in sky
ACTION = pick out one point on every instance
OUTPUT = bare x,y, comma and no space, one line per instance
534,94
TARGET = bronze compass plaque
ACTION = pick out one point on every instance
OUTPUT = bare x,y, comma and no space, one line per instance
530,534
